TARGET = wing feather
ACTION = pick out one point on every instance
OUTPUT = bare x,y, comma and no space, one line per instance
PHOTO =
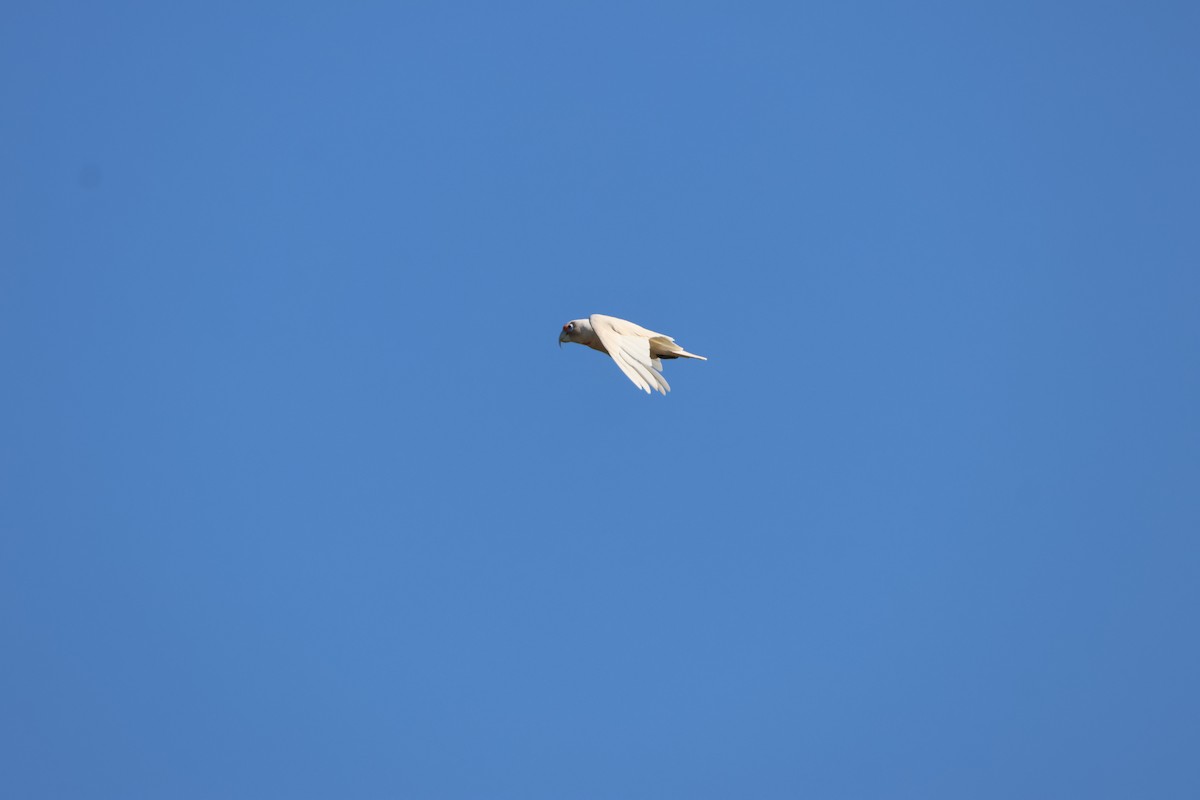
653,379
623,327
630,368
629,346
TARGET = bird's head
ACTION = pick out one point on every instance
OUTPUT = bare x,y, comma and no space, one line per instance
573,331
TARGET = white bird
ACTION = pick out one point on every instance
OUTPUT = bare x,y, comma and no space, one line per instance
636,350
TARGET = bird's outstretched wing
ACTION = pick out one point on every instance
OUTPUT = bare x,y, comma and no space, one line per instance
629,346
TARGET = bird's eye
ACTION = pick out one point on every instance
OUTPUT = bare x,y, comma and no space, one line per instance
571,327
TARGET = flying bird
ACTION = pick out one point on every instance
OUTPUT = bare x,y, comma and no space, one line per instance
636,350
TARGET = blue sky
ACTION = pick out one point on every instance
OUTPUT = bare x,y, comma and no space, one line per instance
299,498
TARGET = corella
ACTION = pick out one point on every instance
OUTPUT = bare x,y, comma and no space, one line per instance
637,351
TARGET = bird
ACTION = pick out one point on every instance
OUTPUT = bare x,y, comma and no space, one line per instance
636,350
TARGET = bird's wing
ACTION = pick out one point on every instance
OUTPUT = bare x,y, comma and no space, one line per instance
623,326
629,346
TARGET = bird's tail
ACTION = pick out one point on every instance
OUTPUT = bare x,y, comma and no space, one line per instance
665,347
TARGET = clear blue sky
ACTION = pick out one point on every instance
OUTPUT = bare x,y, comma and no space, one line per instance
299,498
